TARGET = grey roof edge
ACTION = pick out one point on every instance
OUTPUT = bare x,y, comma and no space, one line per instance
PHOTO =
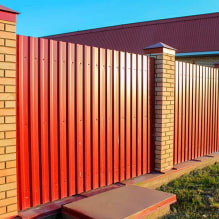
208,53
159,45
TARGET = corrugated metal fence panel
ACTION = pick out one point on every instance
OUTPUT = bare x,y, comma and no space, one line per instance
196,111
84,118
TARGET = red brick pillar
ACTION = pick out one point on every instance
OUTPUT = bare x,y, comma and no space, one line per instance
8,192
164,104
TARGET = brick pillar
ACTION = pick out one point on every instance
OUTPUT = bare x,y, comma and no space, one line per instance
164,104
8,192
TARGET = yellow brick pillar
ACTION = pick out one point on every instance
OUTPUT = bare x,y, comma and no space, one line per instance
164,104
8,192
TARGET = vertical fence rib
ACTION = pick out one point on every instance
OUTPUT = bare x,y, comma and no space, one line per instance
116,116
71,121
95,118
128,115
133,120
34,130
122,116
139,115
102,133
79,119
24,159
54,161
87,116
109,117
44,122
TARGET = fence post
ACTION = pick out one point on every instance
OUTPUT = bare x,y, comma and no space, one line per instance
164,104
8,192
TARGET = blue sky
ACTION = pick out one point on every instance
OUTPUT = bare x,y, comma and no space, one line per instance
46,17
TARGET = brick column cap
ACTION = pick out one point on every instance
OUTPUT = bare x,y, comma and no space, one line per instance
216,65
7,14
159,48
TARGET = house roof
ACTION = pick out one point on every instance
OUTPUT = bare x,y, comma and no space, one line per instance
188,34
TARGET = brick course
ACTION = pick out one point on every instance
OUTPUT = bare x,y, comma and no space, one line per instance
8,192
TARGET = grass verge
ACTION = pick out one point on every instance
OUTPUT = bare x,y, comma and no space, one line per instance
197,194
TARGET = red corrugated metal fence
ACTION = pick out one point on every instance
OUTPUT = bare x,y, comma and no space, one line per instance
196,111
84,118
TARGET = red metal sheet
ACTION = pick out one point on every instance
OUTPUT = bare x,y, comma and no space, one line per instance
23,163
44,117
200,111
187,112
102,133
116,137
194,110
84,118
208,103
210,114
145,114
133,136
215,110
201,131
190,113
62,119
109,117
79,119
53,108
139,115
71,127
18,122
128,115
207,110
212,110
204,110
217,106
34,118
122,116
95,118
197,142
87,116
183,146
213,114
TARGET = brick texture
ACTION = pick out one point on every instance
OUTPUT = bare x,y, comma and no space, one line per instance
8,194
164,109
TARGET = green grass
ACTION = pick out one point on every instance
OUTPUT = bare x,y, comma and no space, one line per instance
197,194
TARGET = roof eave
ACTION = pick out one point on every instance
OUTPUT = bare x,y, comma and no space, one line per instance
205,53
